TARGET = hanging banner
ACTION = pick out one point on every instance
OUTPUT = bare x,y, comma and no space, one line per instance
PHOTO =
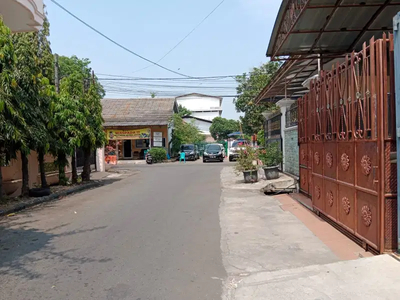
131,134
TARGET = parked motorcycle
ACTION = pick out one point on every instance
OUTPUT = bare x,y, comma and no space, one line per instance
149,159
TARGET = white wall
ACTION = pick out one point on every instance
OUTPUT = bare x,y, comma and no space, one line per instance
22,15
204,127
197,103
208,115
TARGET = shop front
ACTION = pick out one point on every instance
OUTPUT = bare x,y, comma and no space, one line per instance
132,143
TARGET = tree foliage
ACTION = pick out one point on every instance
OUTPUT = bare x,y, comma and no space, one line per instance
184,133
68,121
221,127
73,64
183,111
81,92
34,64
12,123
249,86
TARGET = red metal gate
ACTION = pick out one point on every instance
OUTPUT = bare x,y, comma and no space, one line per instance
346,135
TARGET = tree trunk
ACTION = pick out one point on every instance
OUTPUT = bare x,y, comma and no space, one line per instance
42,170
74,170
61,157
86,165
25,175
1,181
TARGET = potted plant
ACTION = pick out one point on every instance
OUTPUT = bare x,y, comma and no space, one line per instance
271,157
247,164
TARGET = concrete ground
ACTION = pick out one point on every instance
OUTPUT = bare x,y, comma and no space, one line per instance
182,231
274,248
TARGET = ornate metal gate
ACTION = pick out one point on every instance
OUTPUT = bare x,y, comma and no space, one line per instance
346,135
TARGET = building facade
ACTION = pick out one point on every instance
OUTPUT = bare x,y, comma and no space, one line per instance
22,15
202,106
135,125
202,124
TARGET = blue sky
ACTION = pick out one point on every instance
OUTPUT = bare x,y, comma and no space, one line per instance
231,41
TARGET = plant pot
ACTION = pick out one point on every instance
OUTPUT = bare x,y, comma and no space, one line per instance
250,176
271,172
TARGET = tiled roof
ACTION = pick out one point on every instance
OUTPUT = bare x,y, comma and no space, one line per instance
136,112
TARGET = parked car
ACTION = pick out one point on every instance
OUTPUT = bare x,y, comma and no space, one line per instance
213,152
223,150
191,151
234,150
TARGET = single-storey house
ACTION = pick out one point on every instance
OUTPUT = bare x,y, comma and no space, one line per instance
135,125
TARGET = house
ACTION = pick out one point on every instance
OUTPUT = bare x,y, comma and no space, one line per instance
22,15
135,125
202,106
337,110
202,124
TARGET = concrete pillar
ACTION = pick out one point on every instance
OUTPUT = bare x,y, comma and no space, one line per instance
284,104
396,34
100,162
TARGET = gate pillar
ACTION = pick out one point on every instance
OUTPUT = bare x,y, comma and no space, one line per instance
396,35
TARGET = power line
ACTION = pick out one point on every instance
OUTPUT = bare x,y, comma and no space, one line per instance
185,37
124,77
116,43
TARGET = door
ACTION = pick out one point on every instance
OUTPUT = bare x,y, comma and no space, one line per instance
128,149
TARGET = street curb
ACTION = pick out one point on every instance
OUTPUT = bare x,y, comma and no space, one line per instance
55,196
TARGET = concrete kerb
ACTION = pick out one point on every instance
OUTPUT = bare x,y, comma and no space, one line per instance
36,201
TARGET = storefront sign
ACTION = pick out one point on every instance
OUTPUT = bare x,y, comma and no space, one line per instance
157,134
132,134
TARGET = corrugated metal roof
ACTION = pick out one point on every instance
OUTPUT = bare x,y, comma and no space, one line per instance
291,76
329,27
136,112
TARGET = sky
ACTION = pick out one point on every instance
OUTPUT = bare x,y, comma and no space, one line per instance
231,41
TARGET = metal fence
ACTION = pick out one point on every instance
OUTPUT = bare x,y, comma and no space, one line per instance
291,116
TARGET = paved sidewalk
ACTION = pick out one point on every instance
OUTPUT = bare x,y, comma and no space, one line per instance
270,253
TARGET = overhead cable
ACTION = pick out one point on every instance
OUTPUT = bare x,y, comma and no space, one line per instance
185,37
116,43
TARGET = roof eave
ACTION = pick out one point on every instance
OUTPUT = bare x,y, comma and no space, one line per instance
281,13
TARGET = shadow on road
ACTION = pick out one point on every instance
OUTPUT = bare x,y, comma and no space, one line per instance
23,247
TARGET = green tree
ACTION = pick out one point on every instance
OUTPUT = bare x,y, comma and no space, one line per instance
93,135
47,94
261,138
90,94
183,111
33,59
73,64
221,127
68,123
12,123
184,133
249,86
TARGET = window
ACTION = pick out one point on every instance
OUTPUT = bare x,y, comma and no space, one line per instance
142,144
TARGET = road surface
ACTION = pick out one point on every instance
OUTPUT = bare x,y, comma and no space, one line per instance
154,235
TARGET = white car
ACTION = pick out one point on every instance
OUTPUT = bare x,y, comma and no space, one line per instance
234,151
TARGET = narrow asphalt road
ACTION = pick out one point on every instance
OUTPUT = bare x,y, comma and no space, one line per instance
155,235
